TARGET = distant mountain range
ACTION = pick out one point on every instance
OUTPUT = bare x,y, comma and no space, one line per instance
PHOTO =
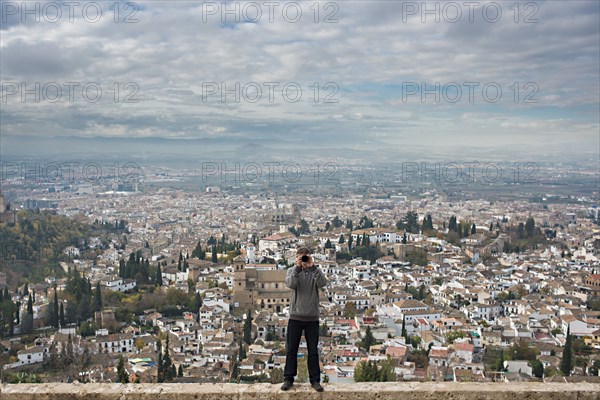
179,152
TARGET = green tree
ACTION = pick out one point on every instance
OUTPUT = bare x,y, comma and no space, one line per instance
387,374
197,302
522,351
453,335
98,298
566,363
30,305
371,371
241,352
350,310
214,258
197,252
304,228
53,317
500,363
409,223
323,330
452,225
84,311
159,280
61,315
368,340
421,294
537,369
530,226
521,231
122,374
234,373
248,328
365,222
168,368
159,362
427,224
336,222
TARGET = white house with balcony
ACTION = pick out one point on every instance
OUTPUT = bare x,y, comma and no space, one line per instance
113,343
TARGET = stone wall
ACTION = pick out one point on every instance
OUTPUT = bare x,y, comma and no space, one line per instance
361,391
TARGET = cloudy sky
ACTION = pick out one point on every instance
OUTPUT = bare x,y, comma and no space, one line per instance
161,68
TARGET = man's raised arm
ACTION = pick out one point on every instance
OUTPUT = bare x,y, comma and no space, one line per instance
320,277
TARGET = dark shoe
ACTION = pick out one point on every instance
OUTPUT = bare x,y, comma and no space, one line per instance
286,385
317,386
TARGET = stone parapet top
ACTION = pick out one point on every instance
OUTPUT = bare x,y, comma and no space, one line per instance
358,391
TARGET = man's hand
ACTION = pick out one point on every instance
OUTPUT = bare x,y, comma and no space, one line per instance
302,264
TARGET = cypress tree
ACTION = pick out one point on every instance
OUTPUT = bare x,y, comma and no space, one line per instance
55,306
30,306
500,362
248,328
241,352
169,371
368,340
122,374
159,362
214,254
61,315
98,298
159,280
197,302
566,363
421,294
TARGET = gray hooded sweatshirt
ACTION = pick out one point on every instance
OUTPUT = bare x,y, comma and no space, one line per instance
304,305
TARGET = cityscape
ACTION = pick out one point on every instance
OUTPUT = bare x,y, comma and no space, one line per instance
161,164
440,281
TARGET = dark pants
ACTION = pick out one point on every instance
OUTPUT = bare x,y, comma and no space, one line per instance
294,334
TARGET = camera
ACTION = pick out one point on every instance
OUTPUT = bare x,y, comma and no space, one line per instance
304,258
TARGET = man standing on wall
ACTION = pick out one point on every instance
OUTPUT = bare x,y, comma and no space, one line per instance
305,279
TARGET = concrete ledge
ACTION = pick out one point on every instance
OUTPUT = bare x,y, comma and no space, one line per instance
361,391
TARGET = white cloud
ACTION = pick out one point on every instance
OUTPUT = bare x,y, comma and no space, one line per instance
368,54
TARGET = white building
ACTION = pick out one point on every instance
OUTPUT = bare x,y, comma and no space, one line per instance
31,355
119,284
115,343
